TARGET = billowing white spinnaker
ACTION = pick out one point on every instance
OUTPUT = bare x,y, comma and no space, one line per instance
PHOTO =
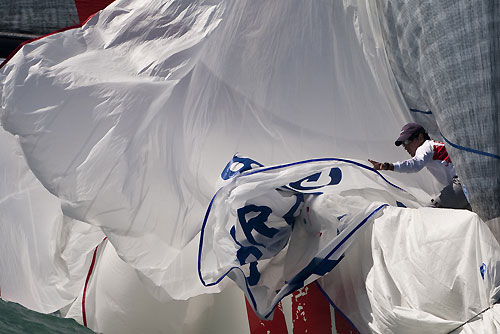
275,229
44,255
130,120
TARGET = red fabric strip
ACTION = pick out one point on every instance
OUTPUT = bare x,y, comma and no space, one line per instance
343,326
311,311
275,326
91,269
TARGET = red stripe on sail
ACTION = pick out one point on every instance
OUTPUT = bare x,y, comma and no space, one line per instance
275,326
91,269
343,326
311,311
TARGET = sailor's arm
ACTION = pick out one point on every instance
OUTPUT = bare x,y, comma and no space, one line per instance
412,165
423,155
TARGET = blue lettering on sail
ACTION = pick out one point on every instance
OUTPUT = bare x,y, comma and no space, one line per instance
238,165
482,269
317,266
311,182
256,223
252,220
289,217
254,276
244,252
242,255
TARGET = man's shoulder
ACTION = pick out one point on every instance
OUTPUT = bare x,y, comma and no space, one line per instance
435,142
427,146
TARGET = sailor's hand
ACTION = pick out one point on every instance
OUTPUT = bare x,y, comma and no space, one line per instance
382,165
377,165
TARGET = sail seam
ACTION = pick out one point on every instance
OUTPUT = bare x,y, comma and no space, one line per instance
468,149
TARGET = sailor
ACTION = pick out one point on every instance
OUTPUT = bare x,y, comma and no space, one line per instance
431,154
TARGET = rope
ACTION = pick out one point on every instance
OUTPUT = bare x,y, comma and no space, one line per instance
486,309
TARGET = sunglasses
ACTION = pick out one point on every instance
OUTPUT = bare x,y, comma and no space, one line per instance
409,140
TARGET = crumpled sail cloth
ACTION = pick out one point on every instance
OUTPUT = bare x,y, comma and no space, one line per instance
44,255
130,120
420,270
274,230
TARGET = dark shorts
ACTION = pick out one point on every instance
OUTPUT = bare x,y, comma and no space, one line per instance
452,196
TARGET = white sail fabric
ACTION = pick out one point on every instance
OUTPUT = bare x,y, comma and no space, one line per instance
420,270
44,255
118,302
130,119
106,147
274,230
407,269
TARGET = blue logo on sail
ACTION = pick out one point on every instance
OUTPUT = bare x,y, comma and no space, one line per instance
482,269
